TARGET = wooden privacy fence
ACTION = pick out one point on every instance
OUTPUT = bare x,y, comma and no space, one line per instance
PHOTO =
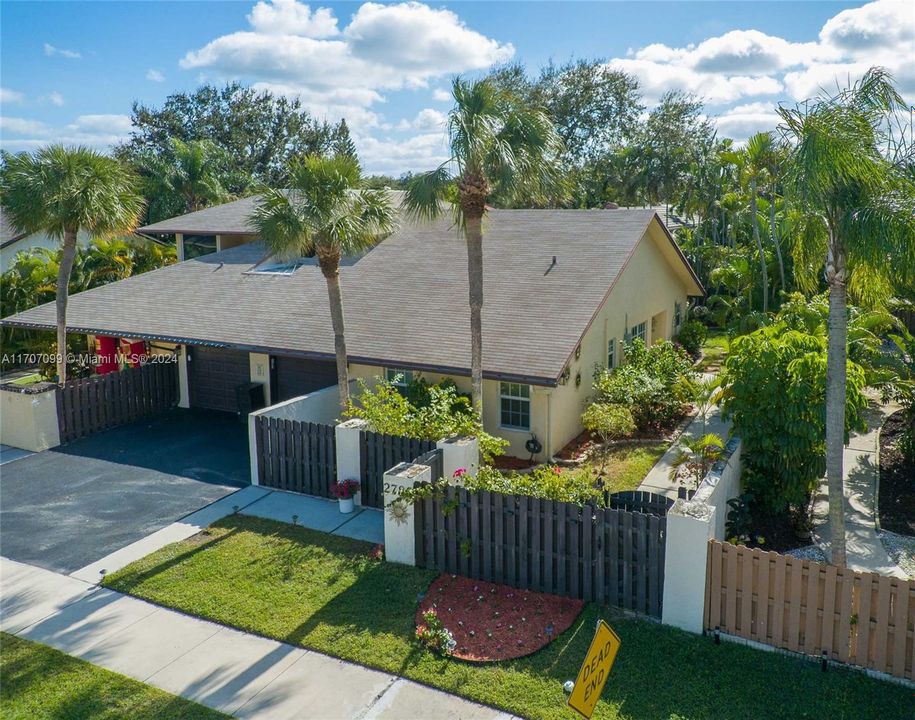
378,454
858,618
100,402
639,501
296,456
608,556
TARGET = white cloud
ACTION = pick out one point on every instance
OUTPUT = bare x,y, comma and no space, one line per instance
742,121
22,126
440,95
154,75
98,131
11,96
51,51
426,120
747,65
288,17
295,50
55,98
393,157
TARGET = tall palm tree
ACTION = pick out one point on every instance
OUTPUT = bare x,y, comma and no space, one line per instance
498,146
328,213
863,207
60,191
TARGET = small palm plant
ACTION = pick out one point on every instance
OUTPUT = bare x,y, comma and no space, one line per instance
696,456
498,145
60,191
326,212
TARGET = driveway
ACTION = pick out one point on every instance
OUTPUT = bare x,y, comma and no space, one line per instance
64,508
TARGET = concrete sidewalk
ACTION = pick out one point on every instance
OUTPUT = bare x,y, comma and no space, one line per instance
863,548
241,674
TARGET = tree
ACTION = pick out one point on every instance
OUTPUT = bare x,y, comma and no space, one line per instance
498,145
342,143
60,191
326,212
261,131
757,151
863,206
192,176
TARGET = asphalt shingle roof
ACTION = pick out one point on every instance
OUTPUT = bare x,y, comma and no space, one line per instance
405,301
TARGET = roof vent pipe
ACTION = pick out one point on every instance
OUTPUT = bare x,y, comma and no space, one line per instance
552,265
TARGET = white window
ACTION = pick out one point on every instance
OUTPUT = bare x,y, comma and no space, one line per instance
515,406
398,377
611,354
639,331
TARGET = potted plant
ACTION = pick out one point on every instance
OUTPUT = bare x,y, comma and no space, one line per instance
344,492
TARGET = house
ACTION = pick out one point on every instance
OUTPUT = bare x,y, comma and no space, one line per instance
12,242
562,289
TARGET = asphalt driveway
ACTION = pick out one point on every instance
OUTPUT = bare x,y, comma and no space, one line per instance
64,508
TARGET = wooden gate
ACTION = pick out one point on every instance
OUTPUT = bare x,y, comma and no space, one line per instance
100,402
378,454
864,619
296,456
608,556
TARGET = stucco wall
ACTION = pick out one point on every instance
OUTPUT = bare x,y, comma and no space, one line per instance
35,240
29,421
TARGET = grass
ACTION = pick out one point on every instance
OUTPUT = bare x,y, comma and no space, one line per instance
27,379
624,467
38,682
714,349
326,593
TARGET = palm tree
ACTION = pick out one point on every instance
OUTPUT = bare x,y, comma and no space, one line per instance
863,207
498,146
758,149
328,213
60,191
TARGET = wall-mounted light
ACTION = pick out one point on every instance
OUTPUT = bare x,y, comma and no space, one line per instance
578,352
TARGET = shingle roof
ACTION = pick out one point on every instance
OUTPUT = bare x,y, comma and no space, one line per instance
405,301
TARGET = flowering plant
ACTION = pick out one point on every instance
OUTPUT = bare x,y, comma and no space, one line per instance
434,635
459,473
345,489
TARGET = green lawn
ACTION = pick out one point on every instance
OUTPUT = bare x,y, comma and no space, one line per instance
39,682
326,593
623,468
714,349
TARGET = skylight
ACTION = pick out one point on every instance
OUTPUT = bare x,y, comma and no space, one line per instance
286,267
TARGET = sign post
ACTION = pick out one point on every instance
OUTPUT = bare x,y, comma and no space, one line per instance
594,670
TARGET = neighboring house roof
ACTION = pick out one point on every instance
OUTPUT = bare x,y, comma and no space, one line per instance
405,300
7,235
230,218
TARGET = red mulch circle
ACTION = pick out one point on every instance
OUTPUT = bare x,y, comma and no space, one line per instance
507,462
492,622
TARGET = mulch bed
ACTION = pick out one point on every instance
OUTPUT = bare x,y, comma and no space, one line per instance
492,622
897,481
778,533
507,462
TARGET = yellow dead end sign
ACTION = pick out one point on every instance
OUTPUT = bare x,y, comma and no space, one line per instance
594,670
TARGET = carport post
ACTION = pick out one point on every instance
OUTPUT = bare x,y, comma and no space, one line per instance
349,457
184,398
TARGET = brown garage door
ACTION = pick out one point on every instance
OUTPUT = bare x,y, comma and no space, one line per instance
213,376
295,376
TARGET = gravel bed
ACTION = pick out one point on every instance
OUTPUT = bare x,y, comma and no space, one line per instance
901,549
808,552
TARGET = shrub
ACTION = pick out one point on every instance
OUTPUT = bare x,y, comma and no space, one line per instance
444,413
434,635
545,481
691,336
651,383
608,421
775,394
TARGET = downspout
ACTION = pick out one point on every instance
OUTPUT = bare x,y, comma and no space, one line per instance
548,440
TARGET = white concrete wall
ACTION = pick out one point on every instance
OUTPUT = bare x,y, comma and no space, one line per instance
690,525
260,372
29,421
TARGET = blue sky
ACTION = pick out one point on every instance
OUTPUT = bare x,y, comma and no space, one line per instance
70,71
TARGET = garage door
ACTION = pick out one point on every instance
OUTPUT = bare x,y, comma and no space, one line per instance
295,376
213,376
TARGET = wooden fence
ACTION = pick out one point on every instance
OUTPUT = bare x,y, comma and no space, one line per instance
88,405
378,454
608,556
859,618
296,456
639,501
